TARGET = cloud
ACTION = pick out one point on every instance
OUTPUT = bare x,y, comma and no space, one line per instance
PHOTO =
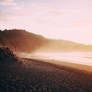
11,3
7,3
2,16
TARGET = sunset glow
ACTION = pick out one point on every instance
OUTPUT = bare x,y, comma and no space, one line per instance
73,57
45,45
58,19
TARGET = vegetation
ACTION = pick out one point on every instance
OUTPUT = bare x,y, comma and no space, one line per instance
7,56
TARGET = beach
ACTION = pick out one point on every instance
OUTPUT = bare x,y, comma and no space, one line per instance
41,76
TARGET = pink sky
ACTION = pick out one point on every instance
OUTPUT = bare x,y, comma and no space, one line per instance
59,19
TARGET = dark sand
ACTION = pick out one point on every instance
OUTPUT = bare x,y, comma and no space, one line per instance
39,76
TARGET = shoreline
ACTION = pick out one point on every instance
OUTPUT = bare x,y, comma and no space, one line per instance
60,64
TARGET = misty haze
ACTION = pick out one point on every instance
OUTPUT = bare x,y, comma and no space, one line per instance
45,46
84,58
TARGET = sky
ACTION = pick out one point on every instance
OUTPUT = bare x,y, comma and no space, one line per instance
58,19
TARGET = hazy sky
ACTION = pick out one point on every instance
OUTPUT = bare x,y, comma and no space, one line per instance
60,19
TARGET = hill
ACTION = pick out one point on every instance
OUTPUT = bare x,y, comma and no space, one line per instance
23,41
64,45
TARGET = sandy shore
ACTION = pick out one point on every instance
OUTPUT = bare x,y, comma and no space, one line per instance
44,76
61,63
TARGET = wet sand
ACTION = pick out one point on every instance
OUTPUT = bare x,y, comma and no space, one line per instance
45,76
61,63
